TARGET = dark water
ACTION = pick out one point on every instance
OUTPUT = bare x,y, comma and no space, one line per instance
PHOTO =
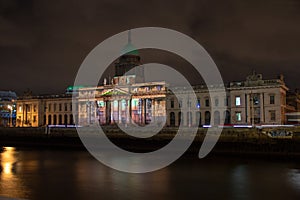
74,174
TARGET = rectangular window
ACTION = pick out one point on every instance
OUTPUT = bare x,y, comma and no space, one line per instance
238,116
207,102
172,103
272,115
66,107
237,100
272,99
70,106
255,99
59,108
54,107
34,118
180,103
49,107
216,102
34,108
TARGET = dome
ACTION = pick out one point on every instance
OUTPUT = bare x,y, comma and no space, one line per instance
129,49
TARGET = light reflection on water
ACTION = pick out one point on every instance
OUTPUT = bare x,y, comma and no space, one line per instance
294,178
11,183
240,182
7,160
73,174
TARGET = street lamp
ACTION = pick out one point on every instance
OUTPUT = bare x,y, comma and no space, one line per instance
11,109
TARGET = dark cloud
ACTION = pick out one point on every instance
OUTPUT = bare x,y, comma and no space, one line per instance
42,43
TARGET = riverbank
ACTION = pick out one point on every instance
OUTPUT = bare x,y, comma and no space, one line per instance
238,142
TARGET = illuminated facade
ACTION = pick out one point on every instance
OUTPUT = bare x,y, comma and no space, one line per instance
127,99
7,108
35,111
193,112
258,101
254,101
139,103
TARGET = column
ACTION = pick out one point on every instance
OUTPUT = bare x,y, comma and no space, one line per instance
153,110
23,107
142,111
248,109
145,111
107,112
262,116
120,111
111,102
88,111
129,113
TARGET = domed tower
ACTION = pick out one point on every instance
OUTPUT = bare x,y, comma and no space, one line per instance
128,61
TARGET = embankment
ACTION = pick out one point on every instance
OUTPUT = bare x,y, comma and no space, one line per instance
242,142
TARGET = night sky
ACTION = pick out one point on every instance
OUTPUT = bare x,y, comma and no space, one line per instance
43,43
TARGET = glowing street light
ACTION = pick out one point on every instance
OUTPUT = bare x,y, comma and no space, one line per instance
11,111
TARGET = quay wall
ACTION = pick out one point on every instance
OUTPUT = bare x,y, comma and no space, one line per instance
241,141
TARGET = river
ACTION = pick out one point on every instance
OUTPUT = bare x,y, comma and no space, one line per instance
34,173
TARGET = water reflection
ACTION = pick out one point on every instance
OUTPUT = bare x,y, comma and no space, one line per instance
106,183
68,174
11,185
240,183
294,178
7,160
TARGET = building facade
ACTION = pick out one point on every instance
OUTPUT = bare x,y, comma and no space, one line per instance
127,98
197,111
258,101
35,111
254,101
7,108
138,103
293,107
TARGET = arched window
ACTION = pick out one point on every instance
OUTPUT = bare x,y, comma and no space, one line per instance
216,118
172,119
65,119
71,119
207,118
198,118
180,118
49,120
